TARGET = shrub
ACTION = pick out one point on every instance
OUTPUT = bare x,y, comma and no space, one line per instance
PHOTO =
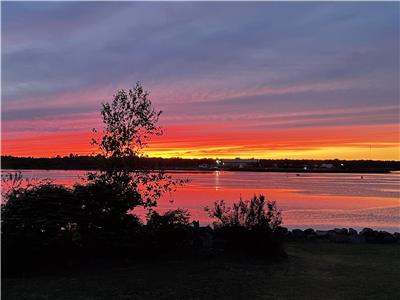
249,226
250,214
45,223
105,225
169,232
102,206
171,219
40,222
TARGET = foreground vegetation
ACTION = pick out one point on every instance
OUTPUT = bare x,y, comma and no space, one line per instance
312,271
48,224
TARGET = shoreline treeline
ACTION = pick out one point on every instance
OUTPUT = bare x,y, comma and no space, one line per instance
97,162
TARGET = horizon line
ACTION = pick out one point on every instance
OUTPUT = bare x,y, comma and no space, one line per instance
196,158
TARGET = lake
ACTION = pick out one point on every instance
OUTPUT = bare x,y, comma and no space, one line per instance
317,200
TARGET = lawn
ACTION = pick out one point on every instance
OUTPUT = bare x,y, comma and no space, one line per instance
312,271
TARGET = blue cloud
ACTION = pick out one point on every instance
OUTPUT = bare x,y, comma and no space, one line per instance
53,48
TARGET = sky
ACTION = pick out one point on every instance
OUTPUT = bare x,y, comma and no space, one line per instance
263,79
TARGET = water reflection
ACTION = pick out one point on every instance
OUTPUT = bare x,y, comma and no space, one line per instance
309,200
217,174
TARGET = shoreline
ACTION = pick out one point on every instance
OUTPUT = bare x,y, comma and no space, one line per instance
344,236
194,170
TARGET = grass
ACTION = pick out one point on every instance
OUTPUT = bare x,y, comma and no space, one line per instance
312,271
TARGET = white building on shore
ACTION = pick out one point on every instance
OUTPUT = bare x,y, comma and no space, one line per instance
238,163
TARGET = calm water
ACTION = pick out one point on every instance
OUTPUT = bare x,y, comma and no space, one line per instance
322,201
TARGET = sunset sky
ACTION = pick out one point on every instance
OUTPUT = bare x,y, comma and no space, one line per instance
264,80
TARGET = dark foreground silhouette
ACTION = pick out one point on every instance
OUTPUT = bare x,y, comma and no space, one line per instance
50,224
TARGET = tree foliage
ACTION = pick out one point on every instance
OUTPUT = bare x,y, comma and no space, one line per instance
169,232
39,222
249,226
130,120
256,212
172,219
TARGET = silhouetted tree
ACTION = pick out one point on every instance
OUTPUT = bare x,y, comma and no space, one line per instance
130,120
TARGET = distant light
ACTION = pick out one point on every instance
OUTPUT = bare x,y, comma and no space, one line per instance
218,161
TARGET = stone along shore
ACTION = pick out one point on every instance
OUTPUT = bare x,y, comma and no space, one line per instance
344,235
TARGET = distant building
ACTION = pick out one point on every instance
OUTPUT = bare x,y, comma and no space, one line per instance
326,166
238,163
208,167
204,166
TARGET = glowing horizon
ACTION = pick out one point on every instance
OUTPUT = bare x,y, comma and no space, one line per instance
166,148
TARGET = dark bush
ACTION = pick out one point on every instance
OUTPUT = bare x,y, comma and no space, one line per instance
169,232
51,224
171,219
103,207
249,214
40,222
106,224
252,226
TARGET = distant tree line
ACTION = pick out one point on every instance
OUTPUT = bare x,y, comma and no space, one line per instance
337,164
97,162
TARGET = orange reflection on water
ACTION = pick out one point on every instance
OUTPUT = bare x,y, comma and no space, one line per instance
308,200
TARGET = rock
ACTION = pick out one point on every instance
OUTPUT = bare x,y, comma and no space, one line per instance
383,234
371,239
357,239
310,234
311,237
321,233
389,240
352,231
384,237
289,236
331,235
341,231
280,234
373,236
298,234
281,230
343,235
366,232
342,238
309,231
